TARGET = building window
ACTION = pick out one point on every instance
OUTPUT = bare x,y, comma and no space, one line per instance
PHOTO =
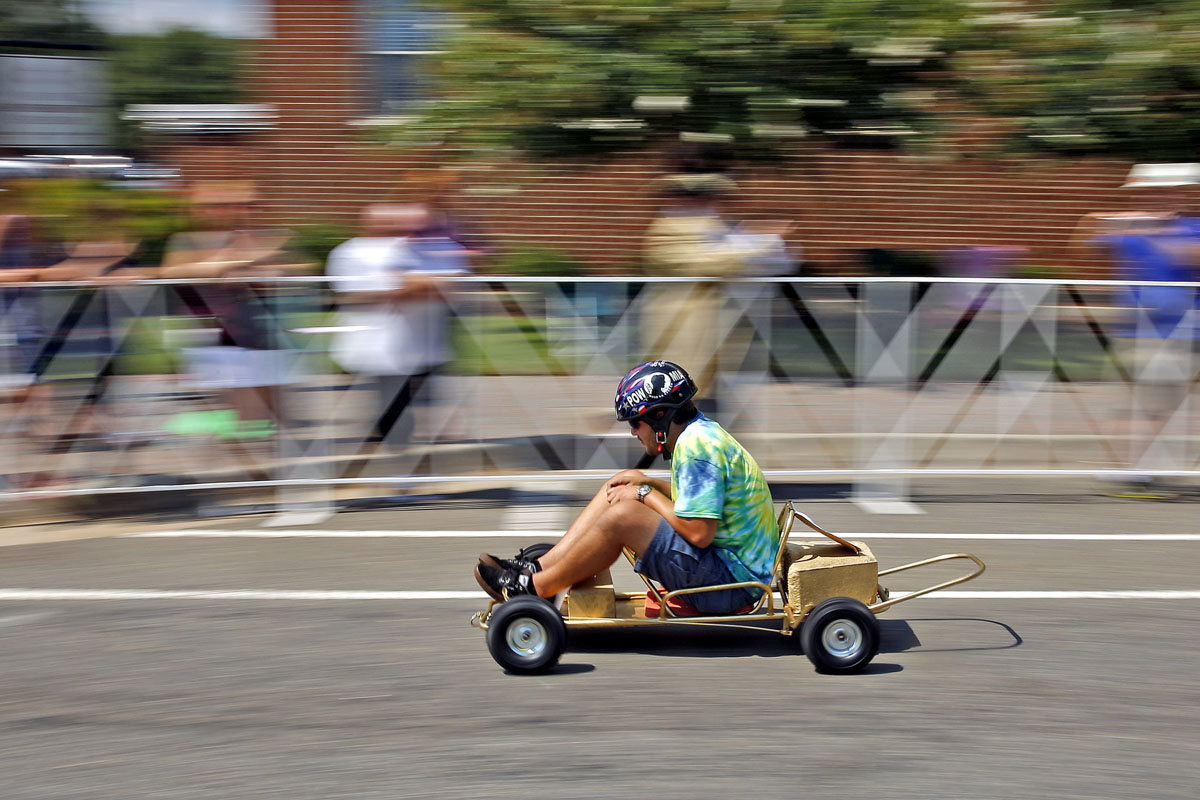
400,37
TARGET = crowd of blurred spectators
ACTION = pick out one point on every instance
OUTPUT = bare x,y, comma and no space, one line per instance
63,336
391,330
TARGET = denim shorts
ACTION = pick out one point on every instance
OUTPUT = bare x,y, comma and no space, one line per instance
677,564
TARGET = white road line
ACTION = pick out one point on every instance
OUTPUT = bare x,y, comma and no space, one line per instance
352,595
232,594
283,533
1119,594
1040,537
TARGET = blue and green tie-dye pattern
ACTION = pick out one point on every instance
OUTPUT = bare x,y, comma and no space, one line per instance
713,477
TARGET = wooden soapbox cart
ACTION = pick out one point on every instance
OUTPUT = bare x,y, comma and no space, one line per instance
825,594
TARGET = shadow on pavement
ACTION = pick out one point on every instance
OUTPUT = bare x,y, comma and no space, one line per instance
980,638
874,668
684,641
695,641
572,669
896,636
701,643
559,669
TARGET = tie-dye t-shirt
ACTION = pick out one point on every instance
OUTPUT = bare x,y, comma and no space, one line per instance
713,477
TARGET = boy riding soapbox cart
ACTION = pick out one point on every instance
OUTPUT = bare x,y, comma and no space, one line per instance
827,591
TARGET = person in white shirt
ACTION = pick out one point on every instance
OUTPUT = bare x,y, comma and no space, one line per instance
394,318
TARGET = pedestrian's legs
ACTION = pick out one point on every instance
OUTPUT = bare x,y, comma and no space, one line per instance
396,393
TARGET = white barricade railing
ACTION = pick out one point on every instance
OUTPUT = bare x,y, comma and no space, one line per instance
128,388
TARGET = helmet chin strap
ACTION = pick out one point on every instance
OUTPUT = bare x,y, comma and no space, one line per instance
661,438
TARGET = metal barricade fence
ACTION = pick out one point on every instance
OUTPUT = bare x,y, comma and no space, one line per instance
133,388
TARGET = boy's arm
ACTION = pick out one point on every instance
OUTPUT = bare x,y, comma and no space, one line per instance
698,531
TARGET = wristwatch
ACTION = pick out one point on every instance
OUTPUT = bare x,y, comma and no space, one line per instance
644,490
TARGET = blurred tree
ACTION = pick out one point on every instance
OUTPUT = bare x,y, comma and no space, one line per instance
1118,77
73,210
596,75
179,66
38,25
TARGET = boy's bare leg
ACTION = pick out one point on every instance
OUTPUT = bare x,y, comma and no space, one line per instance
627,523
586,520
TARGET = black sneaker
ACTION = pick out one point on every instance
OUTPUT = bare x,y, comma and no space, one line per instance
502,584
516,563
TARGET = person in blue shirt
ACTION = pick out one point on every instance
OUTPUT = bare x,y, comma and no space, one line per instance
1156,253
713,523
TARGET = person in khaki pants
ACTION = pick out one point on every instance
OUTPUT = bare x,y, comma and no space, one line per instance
685,322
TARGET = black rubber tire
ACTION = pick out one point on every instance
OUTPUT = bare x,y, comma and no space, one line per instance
840,636
526,635
535,551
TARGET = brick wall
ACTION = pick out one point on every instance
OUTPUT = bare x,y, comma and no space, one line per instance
317,164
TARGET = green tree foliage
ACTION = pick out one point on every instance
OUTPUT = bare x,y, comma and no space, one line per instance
179,66
38,25
591,75
75,210
1119,77
1116,77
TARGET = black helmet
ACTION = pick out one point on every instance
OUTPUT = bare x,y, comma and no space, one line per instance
654,391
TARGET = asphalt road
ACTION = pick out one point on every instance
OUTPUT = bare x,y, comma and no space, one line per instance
1007,695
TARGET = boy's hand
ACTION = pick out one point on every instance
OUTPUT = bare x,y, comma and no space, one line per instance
625,491
626,477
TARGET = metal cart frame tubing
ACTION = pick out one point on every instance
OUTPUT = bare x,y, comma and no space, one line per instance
828,593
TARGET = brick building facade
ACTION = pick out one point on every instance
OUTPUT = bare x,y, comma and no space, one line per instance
318,162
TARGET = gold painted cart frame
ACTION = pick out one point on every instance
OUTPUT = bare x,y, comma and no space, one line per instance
806,577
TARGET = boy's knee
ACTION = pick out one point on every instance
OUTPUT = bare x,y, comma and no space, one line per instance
625,509
624,515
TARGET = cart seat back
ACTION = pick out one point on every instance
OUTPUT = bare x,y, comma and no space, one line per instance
679,608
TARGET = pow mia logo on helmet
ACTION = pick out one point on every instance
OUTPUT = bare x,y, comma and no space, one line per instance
654,386
650,385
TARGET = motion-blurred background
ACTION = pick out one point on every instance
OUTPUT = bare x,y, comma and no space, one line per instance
302,254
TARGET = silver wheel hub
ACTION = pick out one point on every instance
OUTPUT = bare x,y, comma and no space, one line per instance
842,638
526,637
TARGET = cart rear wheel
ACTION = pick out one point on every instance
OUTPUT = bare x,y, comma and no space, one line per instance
526,635
840,635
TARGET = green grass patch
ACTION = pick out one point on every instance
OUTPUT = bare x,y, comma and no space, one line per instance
502,345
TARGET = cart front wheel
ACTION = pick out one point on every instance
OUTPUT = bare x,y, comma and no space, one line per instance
840,636
526,635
